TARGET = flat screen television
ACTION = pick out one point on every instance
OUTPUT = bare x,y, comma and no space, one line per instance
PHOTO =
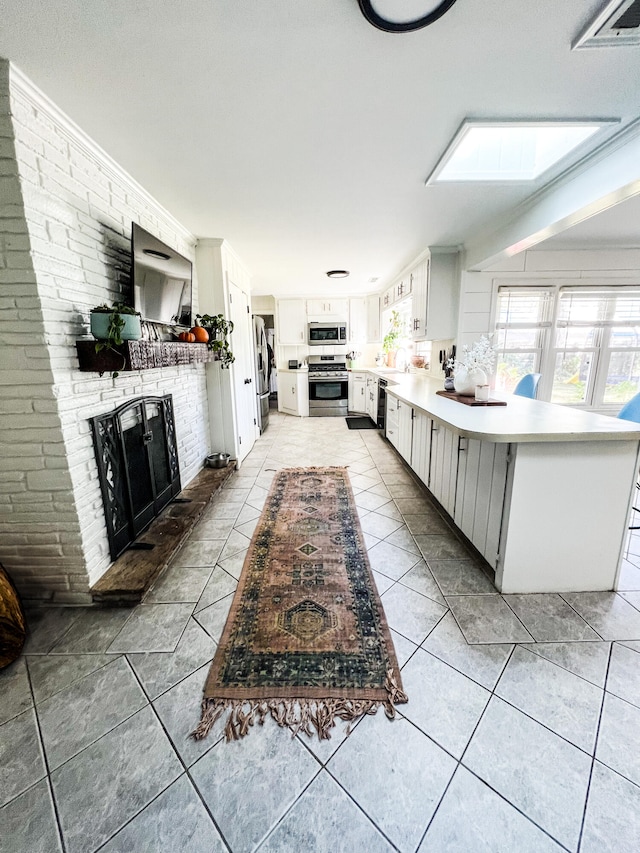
161,280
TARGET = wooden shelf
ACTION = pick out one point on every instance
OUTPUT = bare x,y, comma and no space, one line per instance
141,355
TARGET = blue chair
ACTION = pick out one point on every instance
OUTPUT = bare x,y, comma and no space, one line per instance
528,386
631,410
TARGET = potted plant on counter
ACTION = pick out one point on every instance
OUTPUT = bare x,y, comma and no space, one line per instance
474,368
390,340
219,330
112,325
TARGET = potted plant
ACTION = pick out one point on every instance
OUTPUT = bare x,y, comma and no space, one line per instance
219,330
390,340
112,325
474,368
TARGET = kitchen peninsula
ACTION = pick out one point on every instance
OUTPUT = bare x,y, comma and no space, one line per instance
542,491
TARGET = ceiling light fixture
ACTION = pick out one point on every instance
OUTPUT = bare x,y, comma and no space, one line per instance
508,151
388,26
338,273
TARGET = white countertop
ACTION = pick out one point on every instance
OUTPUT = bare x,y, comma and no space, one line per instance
521,420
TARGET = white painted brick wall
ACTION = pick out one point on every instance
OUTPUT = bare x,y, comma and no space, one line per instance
65,219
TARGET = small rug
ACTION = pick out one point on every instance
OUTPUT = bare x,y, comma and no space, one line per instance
360,423
306,640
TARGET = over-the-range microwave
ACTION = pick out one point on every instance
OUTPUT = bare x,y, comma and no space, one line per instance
330,333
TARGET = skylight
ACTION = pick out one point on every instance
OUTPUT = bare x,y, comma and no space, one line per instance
509,151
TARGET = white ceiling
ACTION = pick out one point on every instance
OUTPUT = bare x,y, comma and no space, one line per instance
299,132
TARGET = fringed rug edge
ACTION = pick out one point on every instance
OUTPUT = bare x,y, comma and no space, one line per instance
298,715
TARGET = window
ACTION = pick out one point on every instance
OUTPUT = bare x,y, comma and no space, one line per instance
596,352
523,321
584,340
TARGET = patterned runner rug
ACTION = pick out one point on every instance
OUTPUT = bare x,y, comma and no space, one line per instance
306,639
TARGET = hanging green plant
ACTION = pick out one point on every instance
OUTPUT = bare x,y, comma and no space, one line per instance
219,330
112,325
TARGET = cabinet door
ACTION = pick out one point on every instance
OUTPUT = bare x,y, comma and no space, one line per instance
392,421
302,394
443,470
388,297
358,321
372,383
405,430
357,392
287,392
373,320
482,477
442,296
291,321
419,302
421,445
338,308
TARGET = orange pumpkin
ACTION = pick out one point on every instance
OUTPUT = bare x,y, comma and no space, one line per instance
201,334
187,337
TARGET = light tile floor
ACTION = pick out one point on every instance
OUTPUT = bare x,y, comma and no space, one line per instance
522,734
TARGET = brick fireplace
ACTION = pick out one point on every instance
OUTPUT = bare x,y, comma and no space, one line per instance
65,216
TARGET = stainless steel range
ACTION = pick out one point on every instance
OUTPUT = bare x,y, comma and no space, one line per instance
328,386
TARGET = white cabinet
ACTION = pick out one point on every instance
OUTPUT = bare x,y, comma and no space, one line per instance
419,301
405,430
421,445
293,392
443,466
364,320
358,321
338,308
357,392
434,304
481,486
373,320
291,321
399,426
392,430
372,397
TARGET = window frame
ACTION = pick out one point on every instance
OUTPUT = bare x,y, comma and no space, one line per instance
602,350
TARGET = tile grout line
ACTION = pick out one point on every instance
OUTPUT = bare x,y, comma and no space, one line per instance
595,749
48,778
187,772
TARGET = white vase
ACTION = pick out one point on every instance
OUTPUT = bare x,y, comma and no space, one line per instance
465,381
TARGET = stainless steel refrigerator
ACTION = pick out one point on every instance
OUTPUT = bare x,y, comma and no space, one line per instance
262,368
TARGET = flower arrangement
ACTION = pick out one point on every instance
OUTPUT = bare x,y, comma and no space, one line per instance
480,354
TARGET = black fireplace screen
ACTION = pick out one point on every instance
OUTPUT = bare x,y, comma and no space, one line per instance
137,464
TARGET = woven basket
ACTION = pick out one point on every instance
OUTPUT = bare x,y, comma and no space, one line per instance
13,628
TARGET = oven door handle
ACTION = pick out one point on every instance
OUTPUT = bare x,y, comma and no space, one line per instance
328,379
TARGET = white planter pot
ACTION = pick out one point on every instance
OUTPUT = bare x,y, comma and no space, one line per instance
465,381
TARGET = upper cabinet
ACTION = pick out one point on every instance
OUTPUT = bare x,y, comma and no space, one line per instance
435,297
358,320
336,308
291,321
373,320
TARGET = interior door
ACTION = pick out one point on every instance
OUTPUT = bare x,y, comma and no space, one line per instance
243,369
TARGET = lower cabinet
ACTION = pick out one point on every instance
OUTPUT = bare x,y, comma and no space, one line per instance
358,392
371,394
480,498
399,426
468,477
293,393
443,466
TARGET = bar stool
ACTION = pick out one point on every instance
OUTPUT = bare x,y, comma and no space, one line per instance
528,386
